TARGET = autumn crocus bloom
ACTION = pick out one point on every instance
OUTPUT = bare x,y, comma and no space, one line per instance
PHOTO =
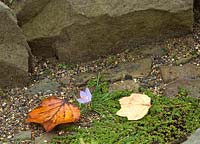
85,96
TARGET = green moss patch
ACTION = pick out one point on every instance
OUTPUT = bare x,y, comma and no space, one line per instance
168,121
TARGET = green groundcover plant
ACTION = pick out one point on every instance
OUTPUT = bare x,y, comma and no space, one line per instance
168,120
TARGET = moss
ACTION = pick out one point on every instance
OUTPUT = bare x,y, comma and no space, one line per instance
168,121
111,59
182,92
65,66
1,92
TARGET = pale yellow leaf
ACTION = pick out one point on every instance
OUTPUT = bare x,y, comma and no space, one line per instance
134,107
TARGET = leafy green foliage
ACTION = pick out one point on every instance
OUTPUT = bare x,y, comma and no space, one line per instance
101,87
169,120
182,92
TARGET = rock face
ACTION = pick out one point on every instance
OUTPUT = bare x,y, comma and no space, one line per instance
130,70
125,72
45,86
27,9
23,135
124,85
14,51
45,138
177,77
192,86
187,71
80,30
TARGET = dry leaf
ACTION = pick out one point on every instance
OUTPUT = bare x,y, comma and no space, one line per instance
54,111
135,106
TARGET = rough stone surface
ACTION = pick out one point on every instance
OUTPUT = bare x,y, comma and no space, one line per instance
27,9
124,85
192,87
14,51
187,71
45,138
77,30
83,78
124,71
137,69
185,59
44,86
194,138
156,49
23,135
65,80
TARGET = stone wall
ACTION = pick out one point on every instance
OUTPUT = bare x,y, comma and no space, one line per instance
81,30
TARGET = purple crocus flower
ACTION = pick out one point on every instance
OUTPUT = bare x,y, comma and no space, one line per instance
85,96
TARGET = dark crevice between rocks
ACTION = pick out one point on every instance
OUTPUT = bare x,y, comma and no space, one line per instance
196,10
43,47
196,26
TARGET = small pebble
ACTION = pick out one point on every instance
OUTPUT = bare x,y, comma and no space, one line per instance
9,137
4,105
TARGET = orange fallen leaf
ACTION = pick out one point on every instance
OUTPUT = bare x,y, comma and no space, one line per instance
135,106
54,111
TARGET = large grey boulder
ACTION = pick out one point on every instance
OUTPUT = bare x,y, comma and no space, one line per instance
14,51
80,30
27,9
